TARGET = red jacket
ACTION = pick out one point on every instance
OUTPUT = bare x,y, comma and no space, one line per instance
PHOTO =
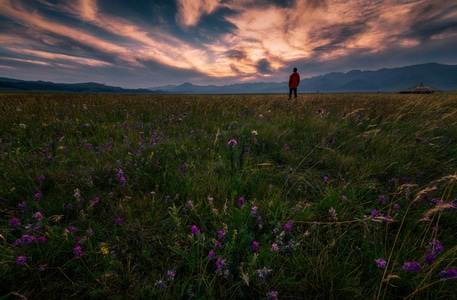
294,80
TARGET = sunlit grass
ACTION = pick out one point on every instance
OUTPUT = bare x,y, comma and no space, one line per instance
145,196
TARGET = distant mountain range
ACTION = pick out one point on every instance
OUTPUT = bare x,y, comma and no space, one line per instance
15,85
442,77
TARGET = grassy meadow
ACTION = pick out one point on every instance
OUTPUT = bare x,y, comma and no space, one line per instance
228,196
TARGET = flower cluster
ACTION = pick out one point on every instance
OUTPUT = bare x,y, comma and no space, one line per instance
21,260
170,277
120,176
381,263
280,245
412,266
221,267
273,295
448,274
262,273
78,252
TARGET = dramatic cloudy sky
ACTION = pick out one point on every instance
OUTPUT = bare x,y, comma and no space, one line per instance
147,43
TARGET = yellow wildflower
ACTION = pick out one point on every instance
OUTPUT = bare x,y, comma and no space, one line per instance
104,250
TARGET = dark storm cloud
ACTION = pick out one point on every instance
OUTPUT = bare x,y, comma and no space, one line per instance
216,22
236,54
338,34
316,3
282,3
263,66
431,21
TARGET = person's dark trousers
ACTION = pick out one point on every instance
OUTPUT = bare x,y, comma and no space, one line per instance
290,93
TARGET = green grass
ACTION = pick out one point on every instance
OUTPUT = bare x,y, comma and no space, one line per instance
358,177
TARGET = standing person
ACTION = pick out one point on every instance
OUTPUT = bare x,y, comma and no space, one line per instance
294,81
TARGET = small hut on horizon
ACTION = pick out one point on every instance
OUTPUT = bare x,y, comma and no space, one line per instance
420,88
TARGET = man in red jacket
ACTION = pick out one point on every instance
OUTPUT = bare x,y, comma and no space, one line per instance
294,81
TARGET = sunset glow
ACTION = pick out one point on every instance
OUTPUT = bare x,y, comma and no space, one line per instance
151,43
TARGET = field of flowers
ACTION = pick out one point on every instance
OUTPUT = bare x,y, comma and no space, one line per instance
228,196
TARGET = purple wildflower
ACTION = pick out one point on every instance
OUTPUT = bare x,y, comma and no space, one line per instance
194,229
412,266
382,198
273,295
381,263
220,267
262,273
95,200
160,283
21,260
41,239
41,178
240,202
288,227
325,179
120,175
448,274
374,213
255,246
42,267
220,234
27,239
171,274
254,210
38,215
183,167
211,254
118,221
78,252
218,245
14,222
189,204
429,258
37,196
232,143
22,206
435,247
396,206
72,229
333,213
274,247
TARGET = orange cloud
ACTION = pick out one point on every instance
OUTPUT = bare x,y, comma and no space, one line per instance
190,11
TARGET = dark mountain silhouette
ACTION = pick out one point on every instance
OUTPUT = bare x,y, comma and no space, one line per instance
8,84
442,77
